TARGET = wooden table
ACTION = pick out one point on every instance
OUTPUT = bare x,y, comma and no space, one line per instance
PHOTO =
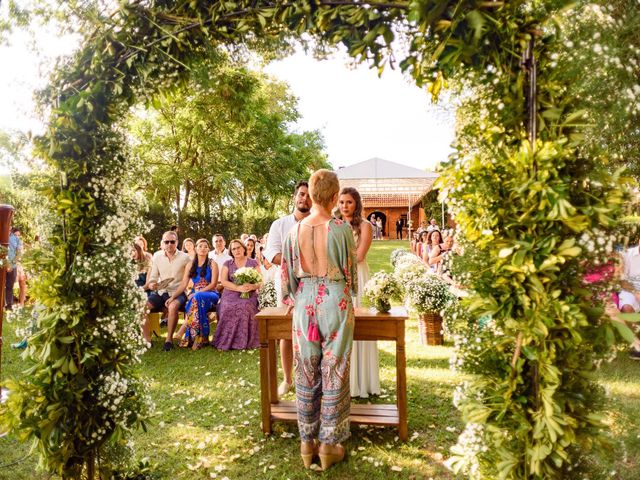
370,325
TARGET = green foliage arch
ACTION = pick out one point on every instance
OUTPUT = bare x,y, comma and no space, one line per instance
522,200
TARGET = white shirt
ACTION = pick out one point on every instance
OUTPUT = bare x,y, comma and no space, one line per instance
269,275
277,233
162,268
219,258
631,262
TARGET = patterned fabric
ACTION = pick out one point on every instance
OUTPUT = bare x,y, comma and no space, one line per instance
198,307
237,326
323,321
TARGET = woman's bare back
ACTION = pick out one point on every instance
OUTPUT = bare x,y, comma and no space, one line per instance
312,241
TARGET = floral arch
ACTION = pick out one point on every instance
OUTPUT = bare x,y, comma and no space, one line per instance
529,176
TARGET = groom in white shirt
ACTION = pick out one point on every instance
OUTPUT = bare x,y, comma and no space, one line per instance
273,252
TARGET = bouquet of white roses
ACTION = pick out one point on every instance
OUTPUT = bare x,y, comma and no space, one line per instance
246,275
380,289
268,297
429,294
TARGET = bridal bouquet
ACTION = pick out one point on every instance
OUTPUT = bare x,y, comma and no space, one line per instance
381,289
246,275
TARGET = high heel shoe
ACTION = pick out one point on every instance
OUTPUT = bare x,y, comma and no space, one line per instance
328,459
308,450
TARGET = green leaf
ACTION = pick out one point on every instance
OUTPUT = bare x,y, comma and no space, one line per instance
625,332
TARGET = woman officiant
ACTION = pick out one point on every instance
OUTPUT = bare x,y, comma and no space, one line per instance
319,279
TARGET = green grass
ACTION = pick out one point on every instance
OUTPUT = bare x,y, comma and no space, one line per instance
208,417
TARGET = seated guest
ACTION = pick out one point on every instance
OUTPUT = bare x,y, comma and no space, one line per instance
142,264
167,272
142,243
202,298
439,254
189,247
237,327
421,246
219,254
431,250
250,243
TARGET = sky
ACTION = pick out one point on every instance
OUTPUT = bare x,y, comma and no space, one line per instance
360,115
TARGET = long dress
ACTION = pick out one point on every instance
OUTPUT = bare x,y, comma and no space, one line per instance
364,378
197,309
237,326
322,332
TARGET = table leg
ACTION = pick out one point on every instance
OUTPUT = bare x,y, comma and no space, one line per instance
273,372
265,404
401,384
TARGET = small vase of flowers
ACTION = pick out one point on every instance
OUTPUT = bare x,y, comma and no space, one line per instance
381,289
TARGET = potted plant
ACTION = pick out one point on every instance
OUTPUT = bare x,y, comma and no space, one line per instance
429,295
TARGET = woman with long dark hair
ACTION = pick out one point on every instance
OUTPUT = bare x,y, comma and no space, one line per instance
364,375
202,298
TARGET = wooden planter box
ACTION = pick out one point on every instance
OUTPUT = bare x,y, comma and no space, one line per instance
430,329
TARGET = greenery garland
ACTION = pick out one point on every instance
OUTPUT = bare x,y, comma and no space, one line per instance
521,203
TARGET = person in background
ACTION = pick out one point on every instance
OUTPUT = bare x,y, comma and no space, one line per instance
142,242
421,245
433,225
167,269
202,298
219,254
364,372
189,247
399,226
244,237
13,255
237,326
374,224
379,229
319,281
431,251
250,243
273,252
141,263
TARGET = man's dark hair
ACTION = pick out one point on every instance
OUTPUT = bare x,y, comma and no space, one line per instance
301,183
16,229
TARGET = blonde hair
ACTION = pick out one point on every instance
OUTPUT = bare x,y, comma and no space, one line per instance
323,186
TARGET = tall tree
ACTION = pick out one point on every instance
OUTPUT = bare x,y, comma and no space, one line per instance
222,144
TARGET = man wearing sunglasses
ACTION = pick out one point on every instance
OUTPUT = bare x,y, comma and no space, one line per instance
167,271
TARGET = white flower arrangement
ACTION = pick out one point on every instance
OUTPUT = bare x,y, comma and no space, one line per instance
398,254
380,289
429,294
267,296
408,272
246,275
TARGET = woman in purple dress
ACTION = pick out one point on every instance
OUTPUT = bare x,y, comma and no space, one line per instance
237,327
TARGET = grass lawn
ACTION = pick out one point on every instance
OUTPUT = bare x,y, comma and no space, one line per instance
208,417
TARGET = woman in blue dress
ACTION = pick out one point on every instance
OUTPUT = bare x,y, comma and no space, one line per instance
202,299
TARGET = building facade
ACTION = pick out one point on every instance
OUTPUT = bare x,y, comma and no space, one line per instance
390,191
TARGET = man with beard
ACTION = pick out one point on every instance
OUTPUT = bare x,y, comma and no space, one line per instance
277,233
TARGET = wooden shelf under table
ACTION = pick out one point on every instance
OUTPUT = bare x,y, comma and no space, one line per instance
369,325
